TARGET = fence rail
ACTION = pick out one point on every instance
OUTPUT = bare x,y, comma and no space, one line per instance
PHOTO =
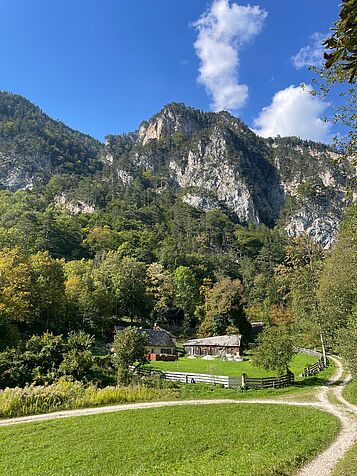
302,350
267,382
184,377
315,368
235,382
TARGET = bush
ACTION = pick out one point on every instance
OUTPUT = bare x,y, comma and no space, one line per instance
43,359
347,343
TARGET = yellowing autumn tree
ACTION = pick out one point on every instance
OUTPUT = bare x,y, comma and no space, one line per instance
15,287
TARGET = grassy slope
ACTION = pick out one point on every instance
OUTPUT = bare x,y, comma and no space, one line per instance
224,440
219,367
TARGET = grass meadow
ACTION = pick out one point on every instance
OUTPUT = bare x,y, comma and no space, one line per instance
350,392
220,439
348,464
64,395
220,367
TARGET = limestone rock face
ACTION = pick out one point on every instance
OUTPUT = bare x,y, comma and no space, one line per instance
316,187
172,119
22,174
215,161
208,169
73,207
33,146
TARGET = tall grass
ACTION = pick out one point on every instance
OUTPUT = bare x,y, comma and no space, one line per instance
64,395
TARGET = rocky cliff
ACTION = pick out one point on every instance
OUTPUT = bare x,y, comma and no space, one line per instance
216,161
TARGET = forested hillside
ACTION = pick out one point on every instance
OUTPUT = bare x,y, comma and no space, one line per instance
33,146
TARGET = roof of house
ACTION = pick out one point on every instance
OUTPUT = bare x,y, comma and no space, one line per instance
221,341
256,327
159,338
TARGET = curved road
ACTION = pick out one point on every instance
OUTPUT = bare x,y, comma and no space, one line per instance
322,465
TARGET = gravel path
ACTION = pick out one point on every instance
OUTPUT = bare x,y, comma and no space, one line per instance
322,465
137,406
325,462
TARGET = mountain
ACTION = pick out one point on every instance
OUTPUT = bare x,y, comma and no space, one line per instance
33,146
208,160
215,161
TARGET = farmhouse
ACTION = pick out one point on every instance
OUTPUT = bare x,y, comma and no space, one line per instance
218,346
161,344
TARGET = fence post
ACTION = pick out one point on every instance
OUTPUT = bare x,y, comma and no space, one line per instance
244,378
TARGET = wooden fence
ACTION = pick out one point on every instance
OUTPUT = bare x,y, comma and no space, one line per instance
184,377
315,368
267,382
303,350
227,381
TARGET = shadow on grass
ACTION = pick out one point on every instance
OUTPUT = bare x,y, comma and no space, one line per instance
314,381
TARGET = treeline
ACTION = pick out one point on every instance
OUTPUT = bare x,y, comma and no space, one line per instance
40,293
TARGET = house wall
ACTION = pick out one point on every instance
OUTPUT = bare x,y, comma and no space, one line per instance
159,350
212,350
166,357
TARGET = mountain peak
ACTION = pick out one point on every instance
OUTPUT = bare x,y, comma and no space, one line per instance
173,118
178,118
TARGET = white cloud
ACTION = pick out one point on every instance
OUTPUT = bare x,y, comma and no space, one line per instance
294,112
312,54
222,31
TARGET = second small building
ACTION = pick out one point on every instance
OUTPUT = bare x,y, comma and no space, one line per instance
218,346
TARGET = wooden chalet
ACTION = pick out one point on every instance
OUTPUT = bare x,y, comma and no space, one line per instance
218,346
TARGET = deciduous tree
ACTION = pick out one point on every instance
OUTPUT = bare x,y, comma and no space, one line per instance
128,348
275,349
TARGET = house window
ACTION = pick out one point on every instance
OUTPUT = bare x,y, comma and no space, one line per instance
165,351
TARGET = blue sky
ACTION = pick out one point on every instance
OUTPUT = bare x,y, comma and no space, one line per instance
103,66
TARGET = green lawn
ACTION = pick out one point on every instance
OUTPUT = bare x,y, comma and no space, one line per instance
220,367
201,440
348,465
350,392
